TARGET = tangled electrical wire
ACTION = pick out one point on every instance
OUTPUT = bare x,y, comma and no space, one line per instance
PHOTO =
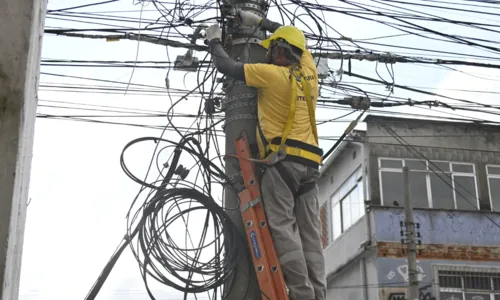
151,229
154,223
177,19
157,219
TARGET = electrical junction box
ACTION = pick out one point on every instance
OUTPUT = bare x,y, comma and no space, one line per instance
187,62
322,66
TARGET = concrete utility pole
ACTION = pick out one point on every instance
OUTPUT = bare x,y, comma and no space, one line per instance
243,45
21,31
410,237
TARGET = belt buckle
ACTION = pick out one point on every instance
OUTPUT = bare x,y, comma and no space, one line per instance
276,156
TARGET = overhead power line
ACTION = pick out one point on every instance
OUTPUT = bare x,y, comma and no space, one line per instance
174,192
380,57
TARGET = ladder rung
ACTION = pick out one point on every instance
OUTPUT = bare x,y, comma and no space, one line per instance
265,259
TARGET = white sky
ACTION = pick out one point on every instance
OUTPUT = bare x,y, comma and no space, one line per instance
79,194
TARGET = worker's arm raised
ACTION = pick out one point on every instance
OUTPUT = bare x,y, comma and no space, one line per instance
256,75
253,20
224,64
269,25
262,75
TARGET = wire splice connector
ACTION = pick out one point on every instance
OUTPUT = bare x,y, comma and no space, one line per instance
357,102
182,172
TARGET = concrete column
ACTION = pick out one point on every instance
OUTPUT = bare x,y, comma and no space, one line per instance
21,30
241,116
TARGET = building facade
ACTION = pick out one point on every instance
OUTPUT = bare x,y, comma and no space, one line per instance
455,191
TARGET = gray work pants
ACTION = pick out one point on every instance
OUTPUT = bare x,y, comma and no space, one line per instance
296,229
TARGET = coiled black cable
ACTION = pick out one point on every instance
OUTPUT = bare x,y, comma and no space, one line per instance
165,261
156,251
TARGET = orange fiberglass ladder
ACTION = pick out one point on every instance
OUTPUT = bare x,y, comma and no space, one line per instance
265,259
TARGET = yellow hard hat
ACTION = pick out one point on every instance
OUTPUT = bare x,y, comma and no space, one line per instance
291,34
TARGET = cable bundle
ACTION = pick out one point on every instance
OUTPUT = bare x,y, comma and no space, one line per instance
152,227
157,252
161,254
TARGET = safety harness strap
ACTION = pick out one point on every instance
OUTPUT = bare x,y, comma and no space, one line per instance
297,150
310,107
305,188
286,177
297,192
265,143
254,149
291,112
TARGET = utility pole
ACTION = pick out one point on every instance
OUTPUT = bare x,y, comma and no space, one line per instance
410,235
21,31
242,44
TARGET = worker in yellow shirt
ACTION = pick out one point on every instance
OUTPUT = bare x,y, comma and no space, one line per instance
288,92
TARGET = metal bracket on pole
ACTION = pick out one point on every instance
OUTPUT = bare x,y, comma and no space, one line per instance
238,117
241,97
247,41
255,7
249,4
239,105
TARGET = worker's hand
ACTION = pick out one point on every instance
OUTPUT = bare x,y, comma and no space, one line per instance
213,32
248,18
